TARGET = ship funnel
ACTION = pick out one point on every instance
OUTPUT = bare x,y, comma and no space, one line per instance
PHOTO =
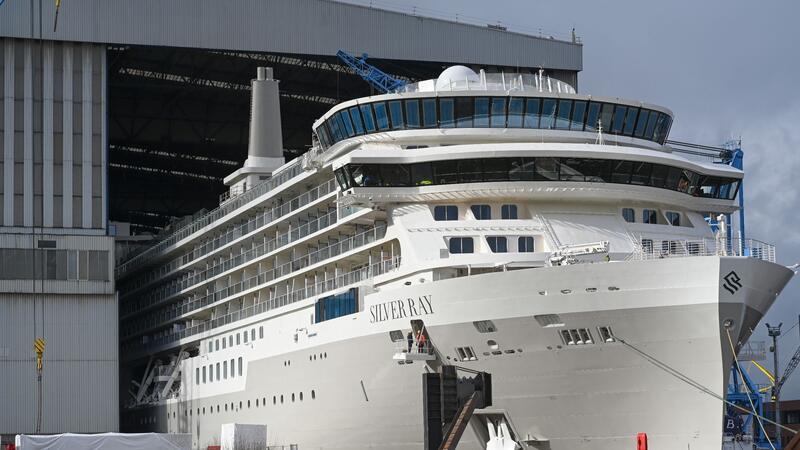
265,146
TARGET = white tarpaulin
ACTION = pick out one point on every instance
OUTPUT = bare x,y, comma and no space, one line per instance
105,441
239,436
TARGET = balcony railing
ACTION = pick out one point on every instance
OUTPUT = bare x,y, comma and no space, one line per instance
188,281
327,252
317,289
236,232
278,179
656,249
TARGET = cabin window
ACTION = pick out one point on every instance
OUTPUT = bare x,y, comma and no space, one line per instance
498,112
461,245
649,216
216,345
334,306
211,373
674,218
647,245
578,115
381,116
412,113
396,335
245,336
253,334
532,113
508,212
232,368
238,339
240,366
429,112
481,212
225,370
592,116
261,332
564,112
445,212
525,244
619,118
224,343
446,113
358,125
548,114
369,120
629,215
197,375
498,244
516,111
481,112
396,112
204,374
465,110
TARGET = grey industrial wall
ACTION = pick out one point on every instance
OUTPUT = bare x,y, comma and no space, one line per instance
64,185
80,378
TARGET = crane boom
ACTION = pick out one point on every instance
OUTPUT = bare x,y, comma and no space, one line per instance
789,369
378,79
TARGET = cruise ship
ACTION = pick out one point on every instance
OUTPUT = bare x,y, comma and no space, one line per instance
552,239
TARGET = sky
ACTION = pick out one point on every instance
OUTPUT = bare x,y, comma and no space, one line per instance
727,69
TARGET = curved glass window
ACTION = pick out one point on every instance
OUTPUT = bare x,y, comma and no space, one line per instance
484,170
495,112
481,212
629,215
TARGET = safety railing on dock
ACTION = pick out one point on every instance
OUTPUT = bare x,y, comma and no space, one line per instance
672,248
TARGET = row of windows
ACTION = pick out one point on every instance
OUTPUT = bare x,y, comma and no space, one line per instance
275,399
212,371
497,244
29,264
537,169
494,112
243,337
651,216
334,306
480,212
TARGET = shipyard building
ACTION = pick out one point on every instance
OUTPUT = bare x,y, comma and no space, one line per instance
120,125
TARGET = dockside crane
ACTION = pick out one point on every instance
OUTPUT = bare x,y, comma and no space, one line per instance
378,79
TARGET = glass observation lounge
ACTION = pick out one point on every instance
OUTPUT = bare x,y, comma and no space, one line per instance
543,113
486,170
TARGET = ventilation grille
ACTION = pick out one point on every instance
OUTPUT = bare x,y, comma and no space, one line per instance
485,326
606,335
549,320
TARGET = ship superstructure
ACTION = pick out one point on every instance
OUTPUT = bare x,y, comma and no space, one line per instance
548,237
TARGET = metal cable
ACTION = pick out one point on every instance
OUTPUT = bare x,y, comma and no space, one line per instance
677,374
747,389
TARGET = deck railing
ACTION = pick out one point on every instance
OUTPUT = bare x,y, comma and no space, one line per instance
203,221
236,232
327,252
317,289
656,249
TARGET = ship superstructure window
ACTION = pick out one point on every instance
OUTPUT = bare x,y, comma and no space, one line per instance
232,369
245,336
537,169
211,373
204,374
461,245
445,212
508,212
197,376
649,216
629,215
525,244
674,218
261,332
240,366
498,244
334,306
253,334
481,212
469,112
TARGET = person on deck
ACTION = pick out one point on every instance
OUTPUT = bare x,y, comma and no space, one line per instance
410,339
421,340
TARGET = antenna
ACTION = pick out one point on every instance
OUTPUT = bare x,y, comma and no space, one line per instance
599,140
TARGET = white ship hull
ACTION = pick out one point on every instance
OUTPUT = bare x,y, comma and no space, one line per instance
556,396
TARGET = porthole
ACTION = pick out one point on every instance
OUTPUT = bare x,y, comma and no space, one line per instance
217,408
240,405
226,406
248,404
292,397
313,394
309,357
301,396
492,344
315,357
263,401
281,399
326,354
273,400
256,404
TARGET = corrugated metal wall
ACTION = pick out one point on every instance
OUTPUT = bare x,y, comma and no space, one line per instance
315,27
80,378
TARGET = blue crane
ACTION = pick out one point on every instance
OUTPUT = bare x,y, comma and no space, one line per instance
378,79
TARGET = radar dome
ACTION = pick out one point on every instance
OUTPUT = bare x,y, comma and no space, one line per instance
456,75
